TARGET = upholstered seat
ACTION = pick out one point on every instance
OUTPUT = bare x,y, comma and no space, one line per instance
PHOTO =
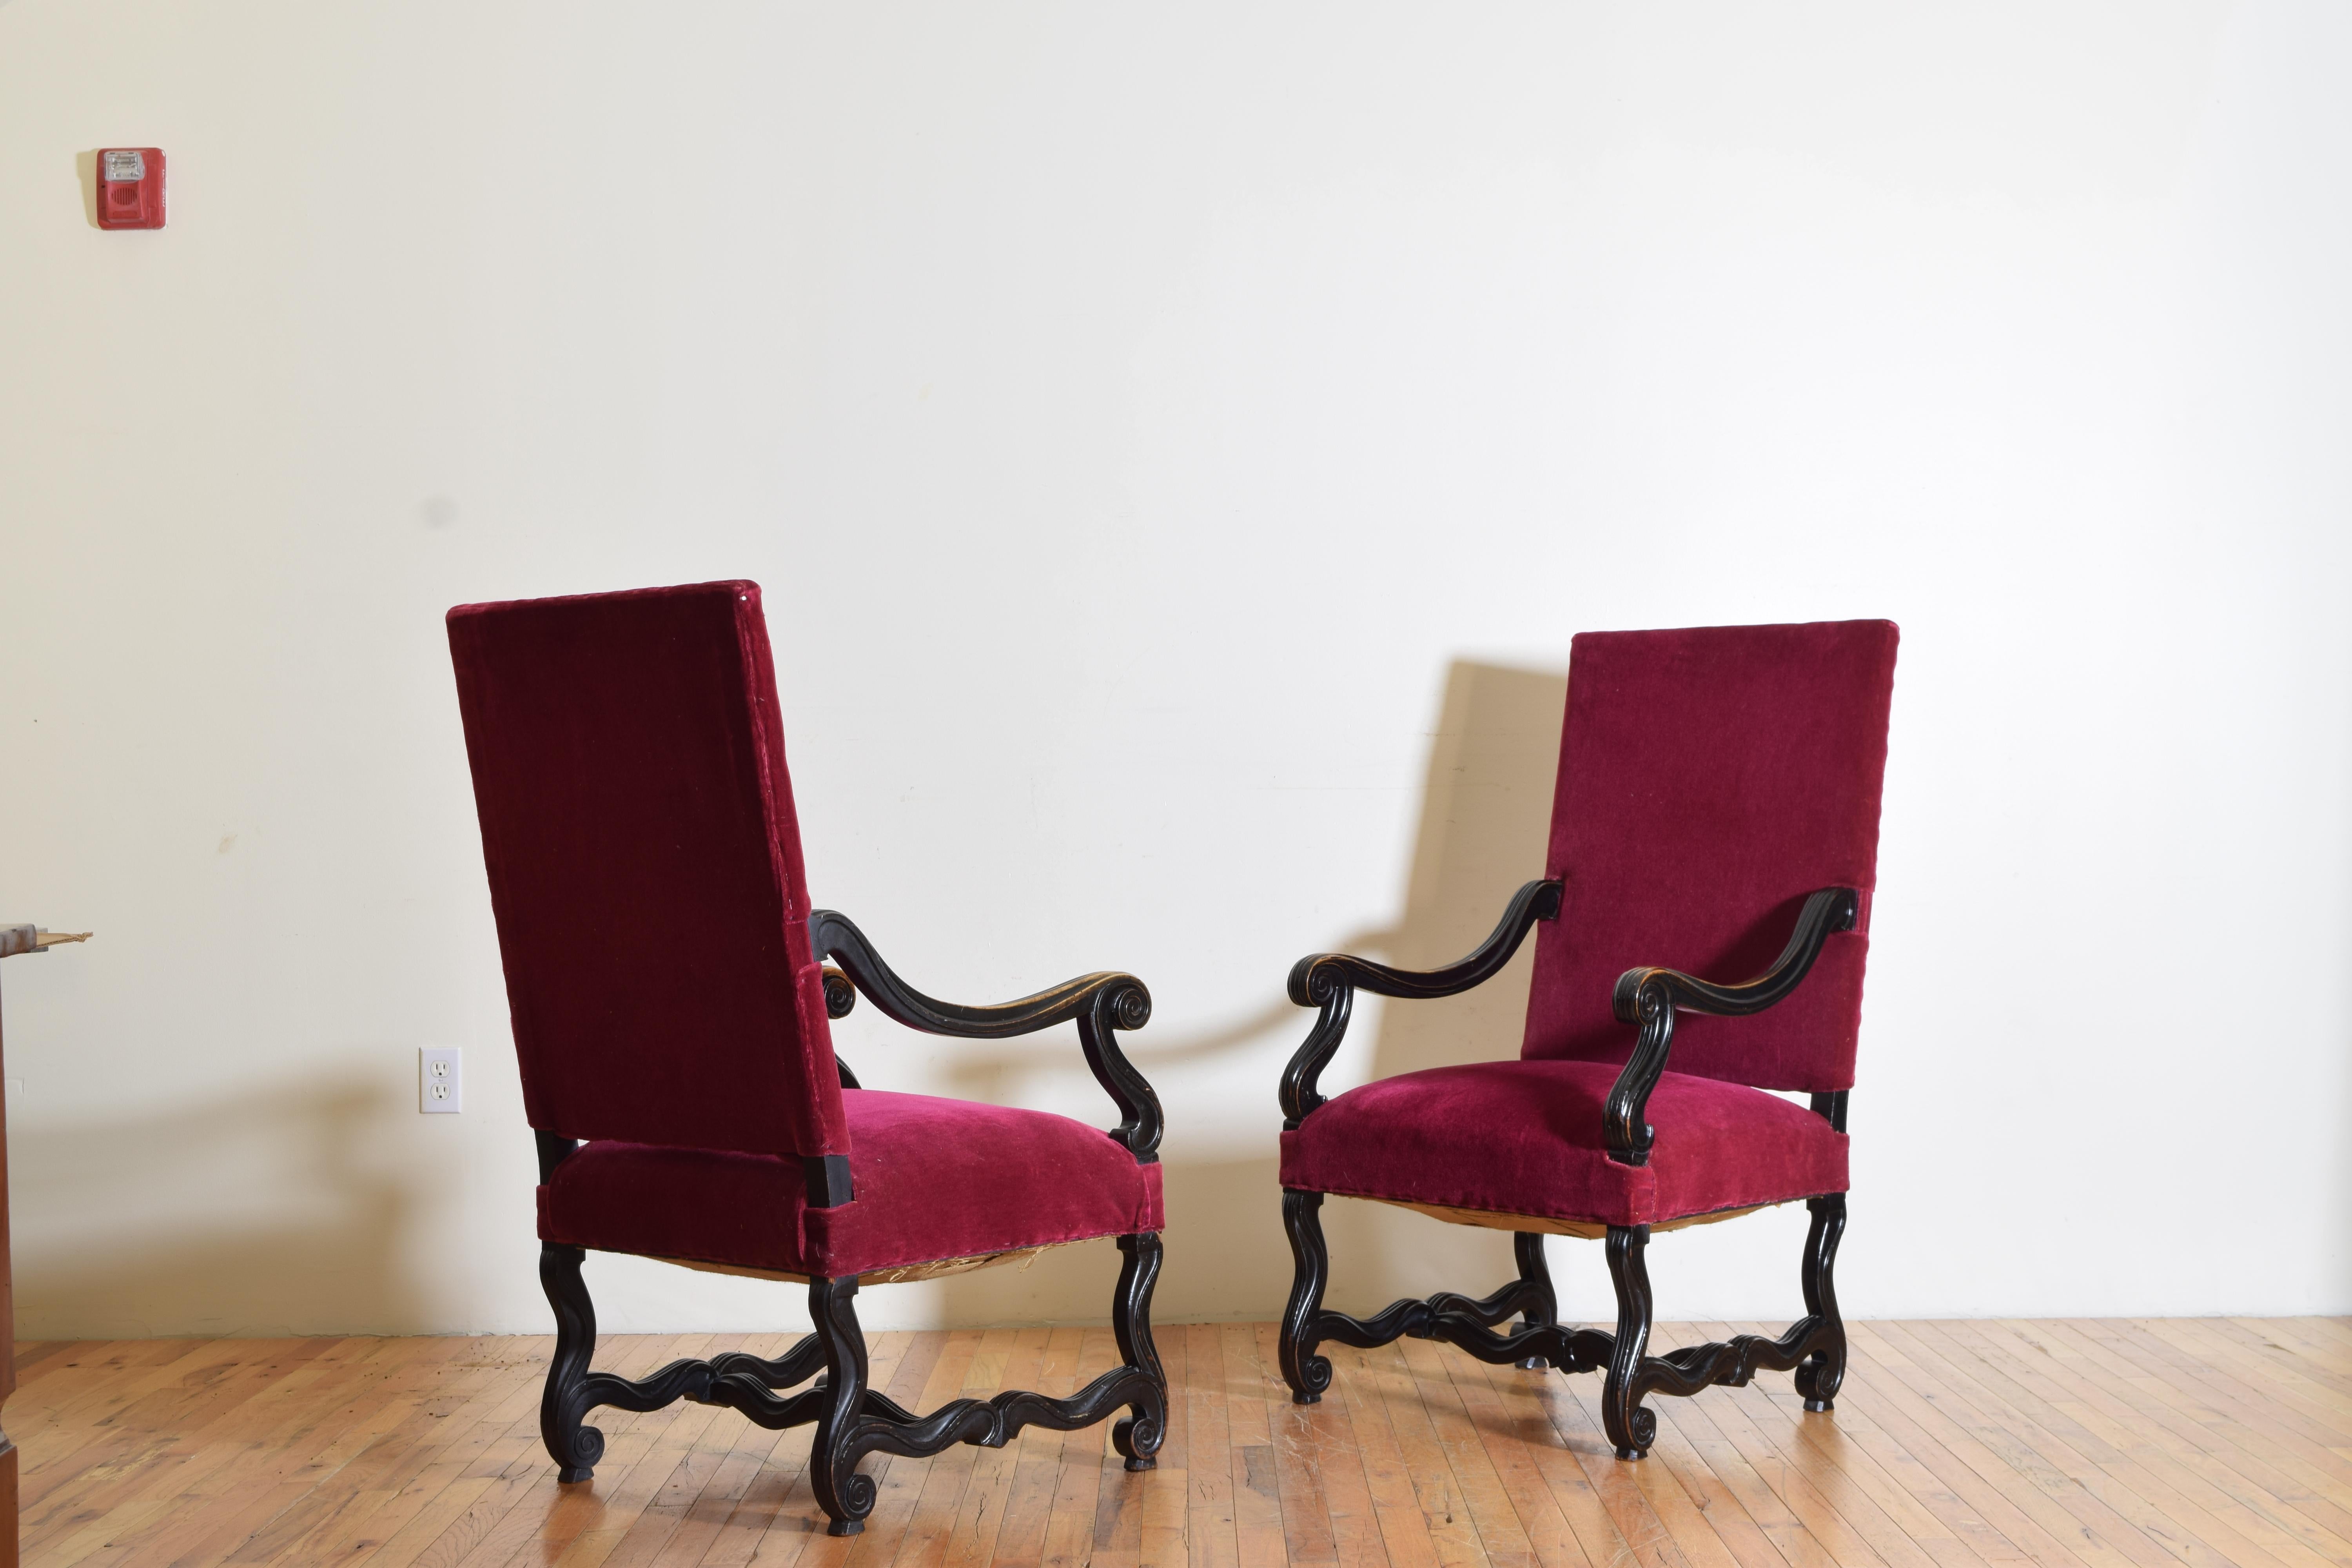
1524,1137
935,1180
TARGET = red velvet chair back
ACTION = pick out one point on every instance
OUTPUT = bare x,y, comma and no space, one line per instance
1709,780
646,870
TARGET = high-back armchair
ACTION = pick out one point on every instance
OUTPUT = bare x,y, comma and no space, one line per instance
671,1022
1717,813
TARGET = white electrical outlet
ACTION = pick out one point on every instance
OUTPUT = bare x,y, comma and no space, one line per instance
440,1080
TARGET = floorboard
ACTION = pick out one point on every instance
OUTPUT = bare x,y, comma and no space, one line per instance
2144,1443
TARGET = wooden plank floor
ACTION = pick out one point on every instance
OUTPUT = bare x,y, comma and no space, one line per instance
2139,1444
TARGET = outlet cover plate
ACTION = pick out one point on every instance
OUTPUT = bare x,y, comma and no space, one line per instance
440,1080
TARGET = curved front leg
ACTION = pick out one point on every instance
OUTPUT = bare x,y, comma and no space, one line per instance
1543,1308
574,1447
1822,1371
845,1496
1308,1374
1632,1428
1139,1436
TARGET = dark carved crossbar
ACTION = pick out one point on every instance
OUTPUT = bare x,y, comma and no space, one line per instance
748,1385
1813,1347
853,1419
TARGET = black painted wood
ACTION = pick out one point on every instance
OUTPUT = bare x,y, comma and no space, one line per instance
852,1418
1100,1003
828,1180
850,1429
840,999
1651,996
1823,1368
1814,1347
1528,1251
554,1148
1459,1319
1139,1435
1630,1427
840,995
574,1447
1330,980
1308,1374
845,1496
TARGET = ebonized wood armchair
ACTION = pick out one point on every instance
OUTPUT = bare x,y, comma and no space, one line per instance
664,974
1717,799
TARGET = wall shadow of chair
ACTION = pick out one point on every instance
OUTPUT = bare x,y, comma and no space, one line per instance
1223,1224
122,1229
1226,1260
1486,818
1485,813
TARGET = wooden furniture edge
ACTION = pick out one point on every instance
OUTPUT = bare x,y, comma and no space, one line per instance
1589,1230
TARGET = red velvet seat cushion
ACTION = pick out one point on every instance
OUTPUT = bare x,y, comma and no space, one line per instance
1525,1137
934,1179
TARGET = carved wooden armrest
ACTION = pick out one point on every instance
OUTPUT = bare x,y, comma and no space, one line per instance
1330,980
1650,997
1100,1003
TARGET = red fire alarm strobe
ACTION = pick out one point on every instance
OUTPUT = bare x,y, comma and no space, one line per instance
130,187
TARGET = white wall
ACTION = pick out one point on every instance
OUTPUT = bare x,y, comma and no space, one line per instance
1178,444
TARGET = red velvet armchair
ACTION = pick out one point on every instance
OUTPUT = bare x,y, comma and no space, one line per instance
1717,800
670,1013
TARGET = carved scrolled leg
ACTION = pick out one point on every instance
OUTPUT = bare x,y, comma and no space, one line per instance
1139,1436
1308,1374
845,1496
574,1447
1527,1246
1632,1428
1819,1376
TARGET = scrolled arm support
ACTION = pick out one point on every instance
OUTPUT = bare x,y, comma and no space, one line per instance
1100,1003
840,995
1329,981
1650,997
